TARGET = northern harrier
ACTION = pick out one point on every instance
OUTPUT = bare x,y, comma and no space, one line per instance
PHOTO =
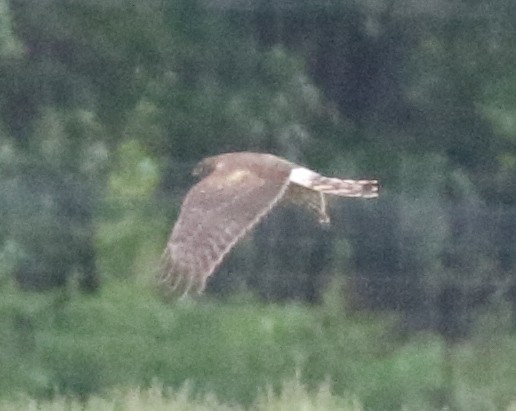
235,191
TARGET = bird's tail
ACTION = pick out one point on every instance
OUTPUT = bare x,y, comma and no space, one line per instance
346,188
335,186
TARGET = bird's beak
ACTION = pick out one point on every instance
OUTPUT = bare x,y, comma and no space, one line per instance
196,172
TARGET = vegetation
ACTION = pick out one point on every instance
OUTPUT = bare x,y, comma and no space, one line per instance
293,396
105,107
241,352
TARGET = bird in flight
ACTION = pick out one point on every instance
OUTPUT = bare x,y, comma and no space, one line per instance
235,191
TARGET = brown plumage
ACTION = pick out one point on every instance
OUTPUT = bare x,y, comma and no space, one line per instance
235,191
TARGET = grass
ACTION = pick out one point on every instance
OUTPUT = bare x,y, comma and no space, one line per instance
293,396
61,351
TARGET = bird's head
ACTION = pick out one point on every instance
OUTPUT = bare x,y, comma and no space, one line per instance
204,167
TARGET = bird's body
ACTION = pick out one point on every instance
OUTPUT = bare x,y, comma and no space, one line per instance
235,191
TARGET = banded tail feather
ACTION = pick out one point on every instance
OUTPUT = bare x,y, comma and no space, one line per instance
335,186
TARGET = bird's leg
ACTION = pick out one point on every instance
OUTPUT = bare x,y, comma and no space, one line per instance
324,218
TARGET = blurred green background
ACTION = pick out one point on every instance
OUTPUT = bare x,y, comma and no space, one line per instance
406,302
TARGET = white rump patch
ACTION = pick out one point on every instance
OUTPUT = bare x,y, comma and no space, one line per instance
303,176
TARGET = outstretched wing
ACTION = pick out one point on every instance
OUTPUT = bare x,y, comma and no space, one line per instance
215,214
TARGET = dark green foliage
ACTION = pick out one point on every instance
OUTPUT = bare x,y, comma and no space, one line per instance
344,88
